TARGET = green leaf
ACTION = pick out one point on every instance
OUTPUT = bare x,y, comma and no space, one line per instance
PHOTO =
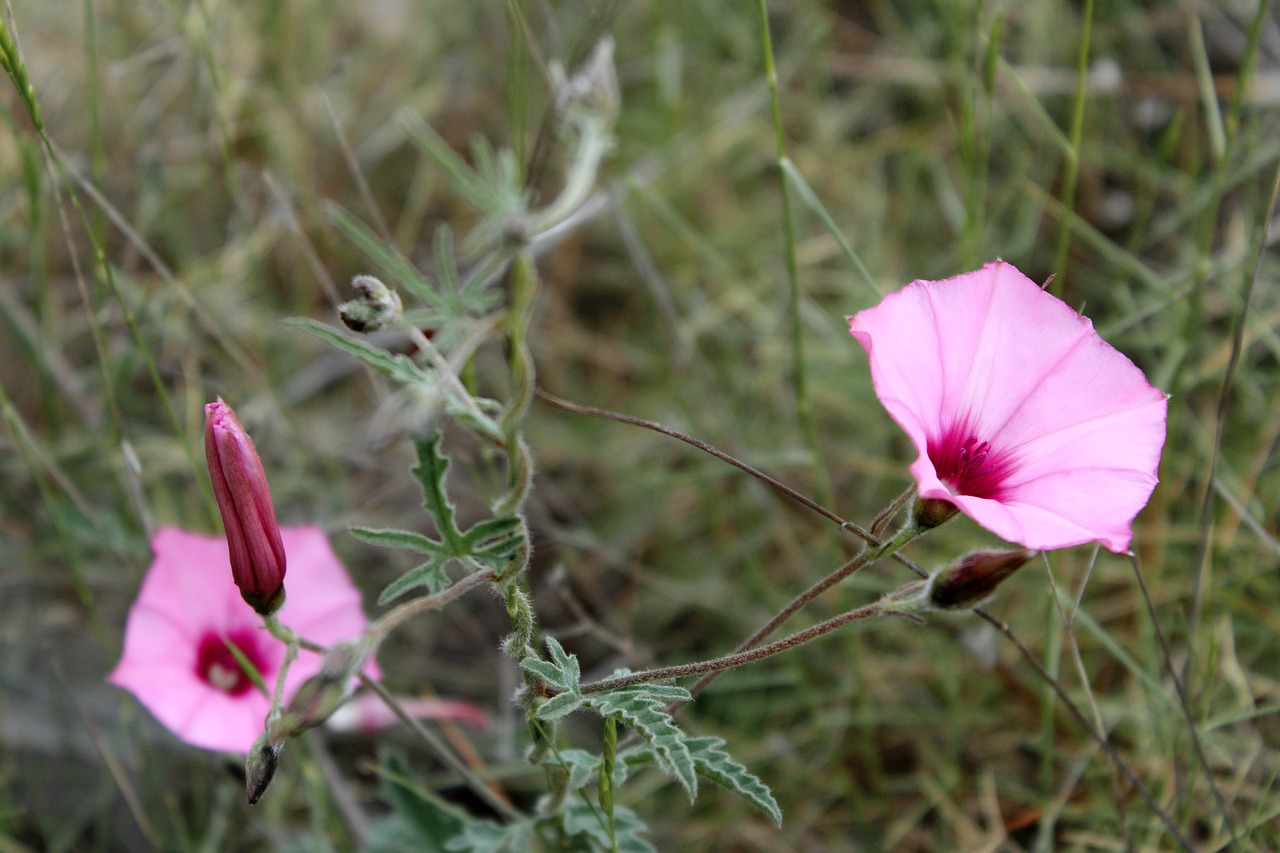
646,715
389,262
397,367
559,706
492,528
431,470
549,673
429,819
568,663
406,539
716,764
430,574
581,819
578,763
464,181
482,836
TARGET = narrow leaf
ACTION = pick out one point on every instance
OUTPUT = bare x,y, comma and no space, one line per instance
389,262
431,470
716,764
490,528
560,706
406,539
430,574
394,366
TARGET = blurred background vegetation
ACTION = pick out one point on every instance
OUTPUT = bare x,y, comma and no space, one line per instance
207,142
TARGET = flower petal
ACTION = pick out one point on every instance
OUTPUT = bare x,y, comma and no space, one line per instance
1075,429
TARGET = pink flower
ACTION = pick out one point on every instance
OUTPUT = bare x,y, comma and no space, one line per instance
240,486
1023,417
176,660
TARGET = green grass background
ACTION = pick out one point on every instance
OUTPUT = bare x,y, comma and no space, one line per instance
204,140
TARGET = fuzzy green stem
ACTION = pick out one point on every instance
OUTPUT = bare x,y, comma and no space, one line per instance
585,168
718,665
392,619
608,756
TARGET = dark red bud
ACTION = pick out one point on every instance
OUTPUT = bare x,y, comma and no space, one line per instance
972,579
240,486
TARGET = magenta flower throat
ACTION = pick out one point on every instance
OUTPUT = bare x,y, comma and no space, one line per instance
216,665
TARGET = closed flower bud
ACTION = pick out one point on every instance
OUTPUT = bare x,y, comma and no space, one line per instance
376,306
321,694
260,768
972,579
240,486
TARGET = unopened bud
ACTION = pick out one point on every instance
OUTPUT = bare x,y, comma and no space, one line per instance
376,306
591,93
321,694
244,501
972,579
260,768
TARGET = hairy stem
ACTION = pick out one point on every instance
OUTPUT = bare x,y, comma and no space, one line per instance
741,658
868,556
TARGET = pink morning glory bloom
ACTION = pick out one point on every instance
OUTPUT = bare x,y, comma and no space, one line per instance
1022,416
176,660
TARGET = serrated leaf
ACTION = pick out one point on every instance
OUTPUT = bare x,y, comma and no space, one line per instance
578,763
548,672
567,663
645,715
431,470
559,706
484,836
582,819
668,693
406,539
716,764
430,574
397,367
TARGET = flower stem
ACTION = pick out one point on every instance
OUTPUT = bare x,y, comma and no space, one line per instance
740,658
605,414
392,619
866,557
497,802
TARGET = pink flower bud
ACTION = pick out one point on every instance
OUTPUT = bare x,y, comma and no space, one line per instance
972,579
240,486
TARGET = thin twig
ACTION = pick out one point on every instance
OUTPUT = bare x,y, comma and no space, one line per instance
1183,703
865,558
604,414
474,782
730,661
607,415
1083,722
392,618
